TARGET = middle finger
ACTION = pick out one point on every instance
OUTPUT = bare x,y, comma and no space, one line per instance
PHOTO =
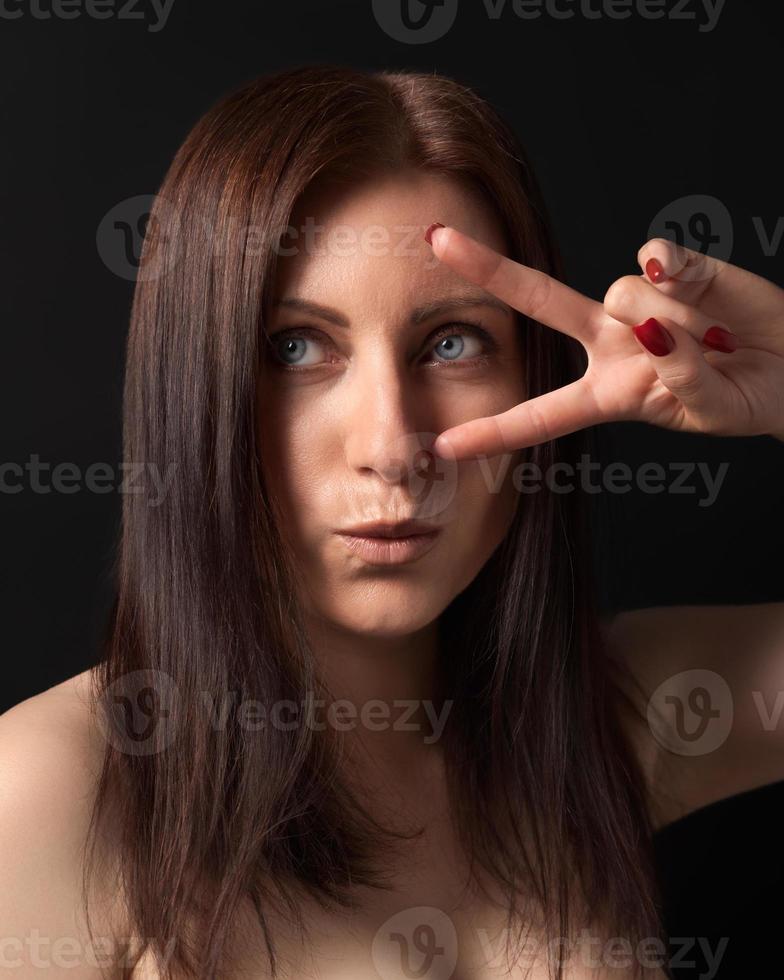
632,299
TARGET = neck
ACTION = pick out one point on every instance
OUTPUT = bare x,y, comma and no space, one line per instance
387,688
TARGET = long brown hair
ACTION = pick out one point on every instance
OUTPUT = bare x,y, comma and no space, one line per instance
546,793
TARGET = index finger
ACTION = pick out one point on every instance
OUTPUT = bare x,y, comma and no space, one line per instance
527,290
548,416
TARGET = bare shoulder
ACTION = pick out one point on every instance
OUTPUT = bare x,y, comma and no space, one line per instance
51,751
59,719
707,685
736,640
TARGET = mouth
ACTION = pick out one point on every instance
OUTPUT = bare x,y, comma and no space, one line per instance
390,529
383,543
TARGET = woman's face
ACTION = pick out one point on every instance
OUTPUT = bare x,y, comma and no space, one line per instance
374,353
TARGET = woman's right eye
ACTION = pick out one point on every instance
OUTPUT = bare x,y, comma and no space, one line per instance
290,347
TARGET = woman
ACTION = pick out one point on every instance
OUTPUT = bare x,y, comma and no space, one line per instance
311,752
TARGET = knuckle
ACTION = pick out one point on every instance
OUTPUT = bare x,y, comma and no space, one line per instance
539,294
701,266
685,381
539,425
655,243
691,321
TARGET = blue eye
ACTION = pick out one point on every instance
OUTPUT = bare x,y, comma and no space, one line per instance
289,347
452,345
449,344
292,345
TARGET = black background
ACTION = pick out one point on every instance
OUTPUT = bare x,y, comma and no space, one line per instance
620,118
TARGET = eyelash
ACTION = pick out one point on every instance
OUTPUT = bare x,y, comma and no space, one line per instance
473,329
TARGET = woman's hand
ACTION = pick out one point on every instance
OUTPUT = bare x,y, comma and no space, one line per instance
693,344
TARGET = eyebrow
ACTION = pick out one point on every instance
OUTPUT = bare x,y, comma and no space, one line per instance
418,315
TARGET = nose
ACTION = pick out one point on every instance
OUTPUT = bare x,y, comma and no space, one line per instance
386,432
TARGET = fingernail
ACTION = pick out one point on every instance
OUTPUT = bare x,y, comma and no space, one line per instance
720,339
444,448
655,270
654,337
430,230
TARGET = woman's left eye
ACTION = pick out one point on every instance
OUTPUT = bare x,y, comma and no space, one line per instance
449,344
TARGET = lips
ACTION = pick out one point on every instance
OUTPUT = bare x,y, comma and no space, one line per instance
374,548
388,529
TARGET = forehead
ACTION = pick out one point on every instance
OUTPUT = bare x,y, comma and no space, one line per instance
365,244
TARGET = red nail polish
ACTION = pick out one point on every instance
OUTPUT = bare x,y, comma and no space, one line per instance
655,270
654,337
720,339
430,230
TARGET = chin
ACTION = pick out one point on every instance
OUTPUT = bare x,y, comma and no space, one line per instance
389,614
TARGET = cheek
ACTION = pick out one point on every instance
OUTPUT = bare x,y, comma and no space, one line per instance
288,462
487,498
480,516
